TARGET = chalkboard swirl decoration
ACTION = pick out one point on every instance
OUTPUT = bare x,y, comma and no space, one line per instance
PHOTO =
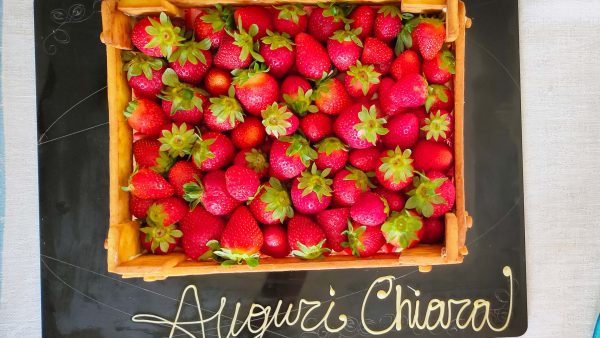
74,14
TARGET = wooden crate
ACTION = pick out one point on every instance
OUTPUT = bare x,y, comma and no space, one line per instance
124,251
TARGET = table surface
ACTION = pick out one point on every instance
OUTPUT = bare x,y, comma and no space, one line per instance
560,96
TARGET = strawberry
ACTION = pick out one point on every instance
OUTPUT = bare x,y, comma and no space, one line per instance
440,69
388,23
316,126
395,169
394,199
144,74
331,96
431,155
248,134
403,229
145,116
182,173
440,97
305,237
255,88
167,211
147,154
332,154
370,209
238,50
212,151
363,241
138,207
408,62
433,194
278,52
225,113
177,140
433,230
312,60
275,241
212,24
429,35
363,17
190,15
217,82
403,131
158,239
272,204
290,155
386,101
247,16
148,184
324,20
279,120
156,36
199,227
182,102
290,19
348,184
296,92
253,159
377,53
410,91
212,193
360,127
191,61
362,80
344,48
334,222
311,192
241,182
438,126
241,239
364,159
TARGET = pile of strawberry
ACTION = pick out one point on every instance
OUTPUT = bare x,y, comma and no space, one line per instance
290,130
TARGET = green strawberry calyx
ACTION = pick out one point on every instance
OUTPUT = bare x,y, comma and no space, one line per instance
347,35
140,63
401,228
245,40
191,51
201,150
131,108
164,162
219,17
164,35
212,246
277,200
193,192
361,179
397,165
370,126
315,181
157,215
276,119
354,239
447,61
337,11
390,10
290,12
311,252
404,40
424,195
329,145
226,108
363,75
436,126
301,103
299,147
161,237
256,160
179,141
435,92
241,76
278,40
182,95
229,257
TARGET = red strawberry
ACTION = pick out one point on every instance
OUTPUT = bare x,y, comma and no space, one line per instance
296,92
363,17
440,69
182,173
241,240
212,151
407,62
316,126
312,60
344,48
370,209
144,74
311,192
191,61
145,116
431,155
156,36
305,237
167,211
386,101
334,222
190,15
255,89
241,182
236,51
332,154
138,207
364,159
290,155
225,113
434,230
212,193
217,82
290,19
364,241
158,239
325,20
182,102
212,24
147,154
438,126
278,52
148,184
253,15
275,242
433,195
395,169
377,53
348,184
360,127
272,204
362,80
429,35
403,131
279,120
410,91
439,98
388,23
331,96
177,140
403,229
394,199
248,134
199,227
253,159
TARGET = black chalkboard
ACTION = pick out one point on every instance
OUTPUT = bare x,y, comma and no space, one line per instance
80,299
